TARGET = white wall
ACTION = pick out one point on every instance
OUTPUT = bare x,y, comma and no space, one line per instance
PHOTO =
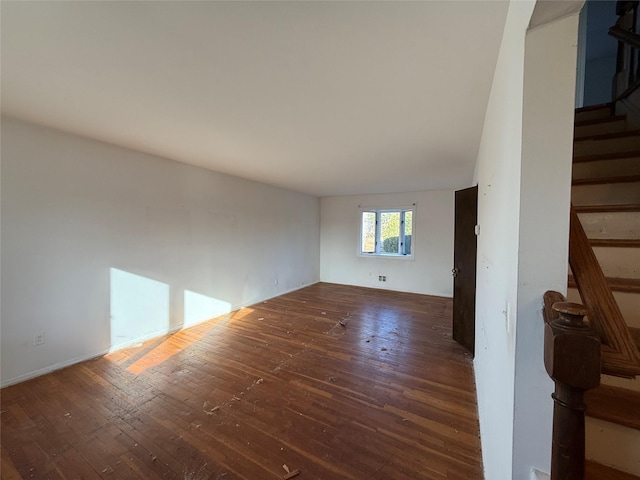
523,173
545,192
498,172
94,234
430,270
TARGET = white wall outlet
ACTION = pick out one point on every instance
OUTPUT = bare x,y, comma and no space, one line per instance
38,338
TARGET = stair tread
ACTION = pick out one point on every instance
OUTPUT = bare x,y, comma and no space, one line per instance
608,136
597,471
606,156
627,207
596,106
615,242
593,121
614,404
603,180
617,284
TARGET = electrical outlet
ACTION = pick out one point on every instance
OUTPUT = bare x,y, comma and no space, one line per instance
38,338
382,278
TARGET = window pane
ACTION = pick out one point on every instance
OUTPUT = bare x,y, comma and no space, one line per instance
368,240
389,232
408,230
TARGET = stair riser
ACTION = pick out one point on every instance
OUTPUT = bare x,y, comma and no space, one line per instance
619,262
607,168
609,145
603,112
629,304
611,224
600,128
628,383
606,194
614,445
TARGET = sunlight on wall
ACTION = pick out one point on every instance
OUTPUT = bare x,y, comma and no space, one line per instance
198,308
139,308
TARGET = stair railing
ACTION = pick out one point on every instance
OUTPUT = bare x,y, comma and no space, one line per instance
572,359
576,351
627,76
620,355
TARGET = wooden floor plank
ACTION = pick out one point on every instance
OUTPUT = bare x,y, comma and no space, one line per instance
336,381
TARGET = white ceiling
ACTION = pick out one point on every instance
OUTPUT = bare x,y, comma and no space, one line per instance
327,98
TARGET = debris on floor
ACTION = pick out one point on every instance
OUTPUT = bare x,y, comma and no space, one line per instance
332,379
383,349
290,474
206,406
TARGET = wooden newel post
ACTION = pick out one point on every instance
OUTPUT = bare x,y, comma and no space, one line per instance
572,360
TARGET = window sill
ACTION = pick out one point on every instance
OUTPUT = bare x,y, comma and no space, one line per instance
382,255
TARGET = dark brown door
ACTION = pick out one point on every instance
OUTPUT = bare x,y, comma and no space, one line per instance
464,268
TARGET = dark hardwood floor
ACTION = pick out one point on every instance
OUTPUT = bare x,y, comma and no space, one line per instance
387,395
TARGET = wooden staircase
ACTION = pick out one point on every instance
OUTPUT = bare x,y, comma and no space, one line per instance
606,196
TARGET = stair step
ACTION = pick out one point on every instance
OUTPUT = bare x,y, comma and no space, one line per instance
605,156
595,106
603,180
609,167
614,404
593,121
611,444
600,126
623,262
606,191
607,208
598,111
630,285
611,224
615,242
608,136
612,142
597,471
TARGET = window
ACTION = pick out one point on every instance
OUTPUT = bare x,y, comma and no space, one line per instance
386,232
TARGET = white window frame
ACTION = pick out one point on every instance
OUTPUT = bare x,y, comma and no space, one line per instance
401,241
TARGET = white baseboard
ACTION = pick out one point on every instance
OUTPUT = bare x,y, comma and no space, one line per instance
90,356
51,368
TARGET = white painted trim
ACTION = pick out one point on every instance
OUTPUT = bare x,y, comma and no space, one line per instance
377,212
581,65
51,368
